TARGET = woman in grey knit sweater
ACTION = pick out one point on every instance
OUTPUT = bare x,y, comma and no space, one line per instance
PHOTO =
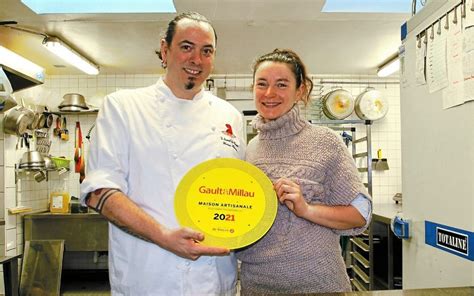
321,195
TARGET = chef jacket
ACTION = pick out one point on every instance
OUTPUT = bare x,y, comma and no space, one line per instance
145,141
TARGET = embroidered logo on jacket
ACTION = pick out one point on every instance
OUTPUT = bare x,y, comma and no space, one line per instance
229,139
228,130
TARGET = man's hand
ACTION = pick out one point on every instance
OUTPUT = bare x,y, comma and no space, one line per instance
125,214
185,243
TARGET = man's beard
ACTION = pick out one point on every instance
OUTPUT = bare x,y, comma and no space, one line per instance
189,85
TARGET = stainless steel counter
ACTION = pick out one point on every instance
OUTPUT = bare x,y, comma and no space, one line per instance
81,232
383,212
464,291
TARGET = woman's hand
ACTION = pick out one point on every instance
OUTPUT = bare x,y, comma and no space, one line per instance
289,193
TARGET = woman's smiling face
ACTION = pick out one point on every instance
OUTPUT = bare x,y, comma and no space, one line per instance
274,89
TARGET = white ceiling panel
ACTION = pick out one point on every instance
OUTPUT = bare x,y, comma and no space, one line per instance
336,43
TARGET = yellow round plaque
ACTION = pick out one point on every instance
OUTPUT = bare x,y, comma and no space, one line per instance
229,200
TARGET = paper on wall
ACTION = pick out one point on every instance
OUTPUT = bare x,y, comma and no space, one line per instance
453,94
468,63
436,69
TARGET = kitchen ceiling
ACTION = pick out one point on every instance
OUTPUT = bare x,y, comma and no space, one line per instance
329,43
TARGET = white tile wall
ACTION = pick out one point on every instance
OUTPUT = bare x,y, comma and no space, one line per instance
10,239
385,135
385,132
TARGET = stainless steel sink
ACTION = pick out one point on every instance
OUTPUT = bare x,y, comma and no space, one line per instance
81,232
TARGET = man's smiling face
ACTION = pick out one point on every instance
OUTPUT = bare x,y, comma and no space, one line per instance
189,58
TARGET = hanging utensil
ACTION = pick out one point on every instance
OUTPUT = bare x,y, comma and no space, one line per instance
82,170
77,152
49,120
88,136
57,129
65,131
380,164
81,157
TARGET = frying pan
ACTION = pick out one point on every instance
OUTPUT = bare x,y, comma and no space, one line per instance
371,105
338,104
48,120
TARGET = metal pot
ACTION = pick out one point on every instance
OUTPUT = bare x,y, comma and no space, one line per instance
6,103
32,160
338,104
371,105
35,123
75,101
71,109
16,121
41,121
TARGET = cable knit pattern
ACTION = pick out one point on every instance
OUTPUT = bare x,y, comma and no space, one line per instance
298,256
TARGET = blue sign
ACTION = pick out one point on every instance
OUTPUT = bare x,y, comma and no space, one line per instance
452,240
403,31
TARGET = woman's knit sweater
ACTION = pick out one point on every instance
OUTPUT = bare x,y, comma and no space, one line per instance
298,256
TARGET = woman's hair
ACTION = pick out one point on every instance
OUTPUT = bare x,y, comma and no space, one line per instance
290,58
171,30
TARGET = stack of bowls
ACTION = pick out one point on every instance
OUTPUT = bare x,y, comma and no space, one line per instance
32,160
73,102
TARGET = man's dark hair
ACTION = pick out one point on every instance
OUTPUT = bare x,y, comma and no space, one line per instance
171,30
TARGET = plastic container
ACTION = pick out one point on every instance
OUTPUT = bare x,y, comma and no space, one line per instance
59,202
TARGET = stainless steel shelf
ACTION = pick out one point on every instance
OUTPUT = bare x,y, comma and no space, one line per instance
95,111
358,242
362,275
358,285
361,259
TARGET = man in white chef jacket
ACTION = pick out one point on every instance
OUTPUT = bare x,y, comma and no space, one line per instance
145,141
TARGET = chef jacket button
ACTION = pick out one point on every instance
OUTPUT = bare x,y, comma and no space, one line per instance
210,103
187,263
162,100
213,128
168,125
175,156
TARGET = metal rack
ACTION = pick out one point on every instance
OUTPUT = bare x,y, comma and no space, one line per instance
362,272
361,246
351,126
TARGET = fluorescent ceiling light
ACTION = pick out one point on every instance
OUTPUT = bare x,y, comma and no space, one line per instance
389,68
368,6
100,6
19,63
70,56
